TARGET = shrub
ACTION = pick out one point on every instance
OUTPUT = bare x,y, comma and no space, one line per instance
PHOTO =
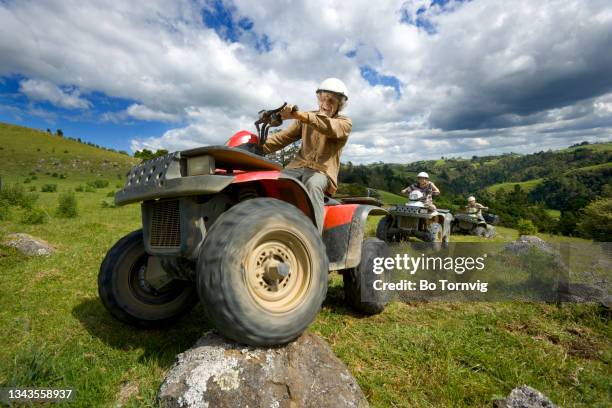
48,188
106,203
27,180
62,176
596,220
67,205
79,188
34,177
54,175
110,194
98,183
14,194
32,188
90,189
119,185
33,216
526,227
5,210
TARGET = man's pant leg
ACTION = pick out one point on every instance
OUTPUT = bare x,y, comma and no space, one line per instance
316,184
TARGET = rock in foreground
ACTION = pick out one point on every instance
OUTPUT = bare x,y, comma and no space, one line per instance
525,397
28,245
217,373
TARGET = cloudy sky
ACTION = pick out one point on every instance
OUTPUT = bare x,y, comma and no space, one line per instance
426,78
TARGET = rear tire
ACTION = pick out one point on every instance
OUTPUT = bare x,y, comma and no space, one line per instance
479,231
358,281
382,230
125,293
238,272
435,235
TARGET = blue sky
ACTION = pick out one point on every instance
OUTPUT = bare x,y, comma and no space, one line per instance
426,78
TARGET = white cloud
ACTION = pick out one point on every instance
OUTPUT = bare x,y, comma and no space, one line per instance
492,78
39,90
144,113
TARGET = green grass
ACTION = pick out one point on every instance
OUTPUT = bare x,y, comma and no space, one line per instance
598,147
25,152
391,198
525,185
55,332
590,168
553,213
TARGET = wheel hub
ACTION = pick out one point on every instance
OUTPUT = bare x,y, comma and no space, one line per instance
278,271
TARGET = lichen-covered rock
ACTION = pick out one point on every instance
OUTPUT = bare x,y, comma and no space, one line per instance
525,242
525,397
28,245
218,373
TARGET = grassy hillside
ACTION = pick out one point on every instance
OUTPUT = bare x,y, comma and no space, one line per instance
525,185
55,332
25,152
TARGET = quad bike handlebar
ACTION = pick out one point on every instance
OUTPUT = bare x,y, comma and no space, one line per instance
268,119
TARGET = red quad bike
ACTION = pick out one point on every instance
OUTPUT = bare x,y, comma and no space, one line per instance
223,225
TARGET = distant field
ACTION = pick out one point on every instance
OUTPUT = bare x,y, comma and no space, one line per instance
525,185
600,147
590,168
24,151
391,198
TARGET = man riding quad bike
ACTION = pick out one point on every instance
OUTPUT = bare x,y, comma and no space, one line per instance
418,218
228,228
472,220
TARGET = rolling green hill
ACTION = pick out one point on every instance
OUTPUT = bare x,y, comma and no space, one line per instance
525,185
26,152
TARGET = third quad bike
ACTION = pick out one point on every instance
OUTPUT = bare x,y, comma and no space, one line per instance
470,223
222,225
415,219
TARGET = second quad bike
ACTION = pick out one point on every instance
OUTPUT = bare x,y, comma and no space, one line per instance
471,223
221,225
415,220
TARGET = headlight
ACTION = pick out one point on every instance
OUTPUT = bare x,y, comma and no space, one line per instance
197,166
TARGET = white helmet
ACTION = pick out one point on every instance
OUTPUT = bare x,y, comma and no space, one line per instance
333,85
471,198
423,174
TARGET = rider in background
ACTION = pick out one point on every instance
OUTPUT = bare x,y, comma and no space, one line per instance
473,207
426,187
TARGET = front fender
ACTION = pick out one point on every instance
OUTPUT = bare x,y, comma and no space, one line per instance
344,231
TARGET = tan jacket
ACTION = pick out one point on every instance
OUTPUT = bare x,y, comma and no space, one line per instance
322,141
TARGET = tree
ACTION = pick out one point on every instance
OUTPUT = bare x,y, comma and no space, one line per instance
596,220
146,154
59,133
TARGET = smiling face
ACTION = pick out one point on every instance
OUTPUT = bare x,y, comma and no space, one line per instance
328,103
421,181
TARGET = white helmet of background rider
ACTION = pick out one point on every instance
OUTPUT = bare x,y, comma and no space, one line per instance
423,174
334,85
471,199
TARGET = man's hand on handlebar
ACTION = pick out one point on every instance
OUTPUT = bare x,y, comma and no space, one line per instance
288,112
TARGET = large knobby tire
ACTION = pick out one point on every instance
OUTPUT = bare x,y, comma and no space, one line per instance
359,290
262,272
125,292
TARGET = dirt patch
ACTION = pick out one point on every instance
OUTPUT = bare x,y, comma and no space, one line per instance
127,391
